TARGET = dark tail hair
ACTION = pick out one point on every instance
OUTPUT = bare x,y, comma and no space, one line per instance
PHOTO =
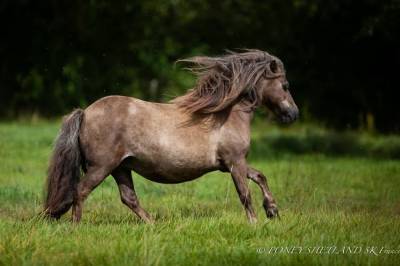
64,168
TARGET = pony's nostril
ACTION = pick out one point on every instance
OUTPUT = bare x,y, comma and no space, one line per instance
292,114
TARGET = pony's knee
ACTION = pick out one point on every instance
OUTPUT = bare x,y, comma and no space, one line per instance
256,176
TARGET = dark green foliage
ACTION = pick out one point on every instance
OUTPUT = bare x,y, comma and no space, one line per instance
342,57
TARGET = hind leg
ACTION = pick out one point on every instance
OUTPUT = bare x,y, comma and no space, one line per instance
123,177
93,177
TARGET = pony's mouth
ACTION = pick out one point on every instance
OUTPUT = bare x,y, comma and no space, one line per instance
289,117
286,119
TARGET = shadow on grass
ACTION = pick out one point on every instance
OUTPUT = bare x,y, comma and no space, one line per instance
328,143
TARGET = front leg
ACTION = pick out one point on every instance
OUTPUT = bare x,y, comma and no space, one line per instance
268,202
239,172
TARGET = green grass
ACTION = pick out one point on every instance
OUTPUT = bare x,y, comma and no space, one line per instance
334,190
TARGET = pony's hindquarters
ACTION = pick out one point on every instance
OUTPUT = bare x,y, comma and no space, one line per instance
64,167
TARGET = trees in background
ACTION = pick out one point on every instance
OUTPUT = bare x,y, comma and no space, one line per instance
342,57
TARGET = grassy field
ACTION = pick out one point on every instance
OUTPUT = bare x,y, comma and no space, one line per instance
338,193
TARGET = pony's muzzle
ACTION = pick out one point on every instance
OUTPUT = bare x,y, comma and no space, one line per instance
289,112
293,114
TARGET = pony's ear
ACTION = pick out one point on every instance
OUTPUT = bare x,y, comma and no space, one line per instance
273,65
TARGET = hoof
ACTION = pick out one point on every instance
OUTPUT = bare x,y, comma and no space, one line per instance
272,212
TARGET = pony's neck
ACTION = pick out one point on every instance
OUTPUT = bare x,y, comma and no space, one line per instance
242,114
239,114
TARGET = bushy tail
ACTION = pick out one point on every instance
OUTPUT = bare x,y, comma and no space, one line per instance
64,167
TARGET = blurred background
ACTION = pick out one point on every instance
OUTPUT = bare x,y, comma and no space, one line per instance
342,57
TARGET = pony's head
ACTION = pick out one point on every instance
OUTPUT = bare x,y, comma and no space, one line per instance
251,78
274,88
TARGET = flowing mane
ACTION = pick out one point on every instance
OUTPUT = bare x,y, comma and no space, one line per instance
225,80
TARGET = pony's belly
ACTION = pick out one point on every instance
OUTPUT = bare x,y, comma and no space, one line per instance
159,178
167,172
